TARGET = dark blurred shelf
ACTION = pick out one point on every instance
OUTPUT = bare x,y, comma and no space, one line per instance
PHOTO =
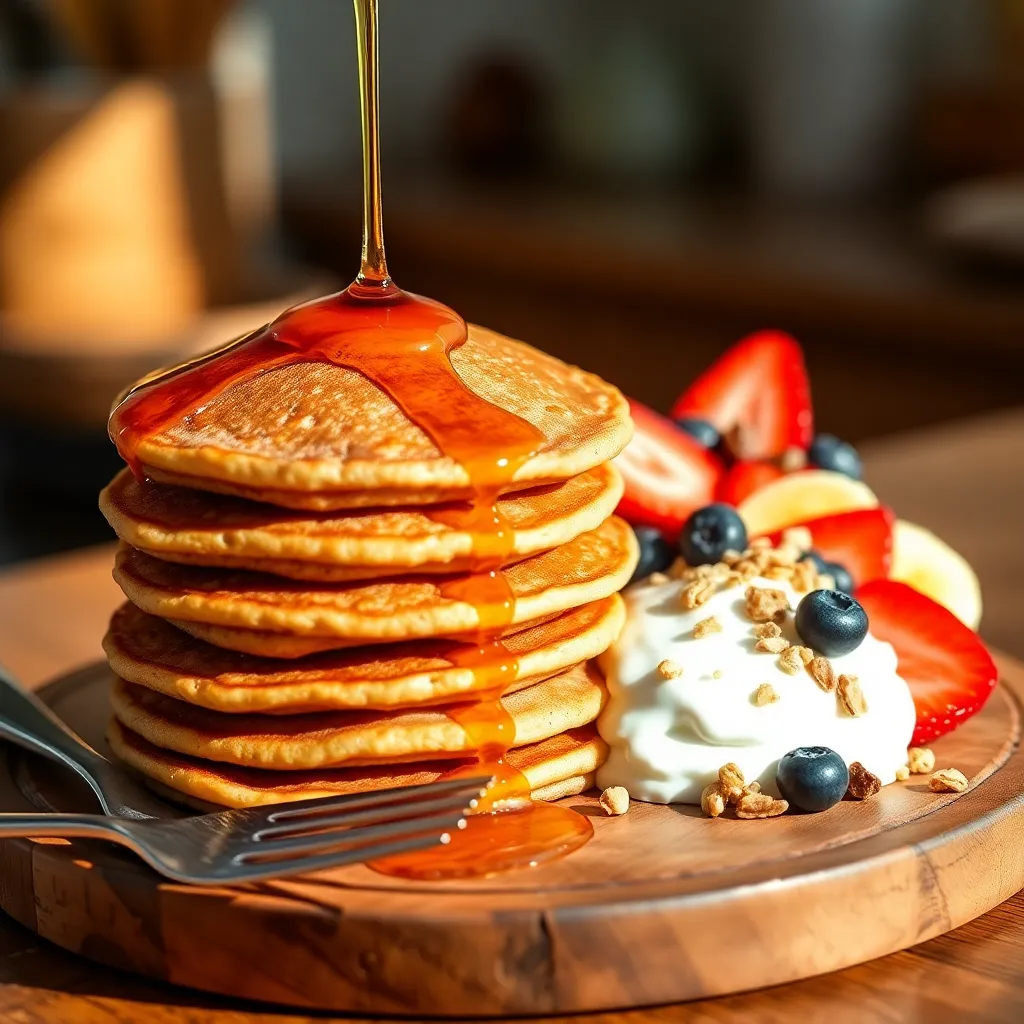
647,289
869,271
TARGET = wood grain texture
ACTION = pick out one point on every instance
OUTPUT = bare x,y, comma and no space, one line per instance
610,926
975,973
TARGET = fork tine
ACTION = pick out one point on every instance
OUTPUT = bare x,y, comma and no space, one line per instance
324,805
350,837
455,801
307,865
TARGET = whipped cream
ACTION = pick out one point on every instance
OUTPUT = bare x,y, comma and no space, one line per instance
669,737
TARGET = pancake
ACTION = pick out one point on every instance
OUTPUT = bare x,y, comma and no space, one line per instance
184,525
352,738
560,766
589,568
567,787
319,436
150,652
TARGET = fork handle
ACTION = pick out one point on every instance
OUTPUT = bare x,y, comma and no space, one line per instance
59,826
27,721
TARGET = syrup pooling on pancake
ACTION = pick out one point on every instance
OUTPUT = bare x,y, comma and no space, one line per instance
402,343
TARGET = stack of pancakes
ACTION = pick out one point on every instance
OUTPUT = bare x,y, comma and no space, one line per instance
295,565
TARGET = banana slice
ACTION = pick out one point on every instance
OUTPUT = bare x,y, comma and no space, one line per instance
801,496
930,565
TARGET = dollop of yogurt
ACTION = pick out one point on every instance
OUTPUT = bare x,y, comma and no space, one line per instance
669,737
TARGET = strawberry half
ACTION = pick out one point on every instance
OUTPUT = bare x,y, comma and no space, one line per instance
743,478
758,396
667,473
860,541
946,666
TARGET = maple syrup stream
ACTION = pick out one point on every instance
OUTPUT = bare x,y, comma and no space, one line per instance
403,343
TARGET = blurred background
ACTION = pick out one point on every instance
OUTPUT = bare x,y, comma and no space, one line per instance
631,187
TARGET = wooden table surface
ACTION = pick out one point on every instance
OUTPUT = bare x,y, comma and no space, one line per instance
964,481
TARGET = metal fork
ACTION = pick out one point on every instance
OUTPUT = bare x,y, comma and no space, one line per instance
28,722
258,843
230,846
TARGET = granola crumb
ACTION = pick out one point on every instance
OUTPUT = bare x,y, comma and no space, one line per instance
772,645
712,801
822,673
731,782
804,576
790,661
717,674
767,630
657,578
696,593
747,569
765,694
862,782
761,544
701,572
615,801
851,696
764,604
785,556
760,805
752,787
732,557
921,760
799,537
948,780
706,627
668,669
902,773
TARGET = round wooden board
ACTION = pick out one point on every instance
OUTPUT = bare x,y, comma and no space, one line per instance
662,906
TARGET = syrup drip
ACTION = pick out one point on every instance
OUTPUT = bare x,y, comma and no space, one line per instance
403,344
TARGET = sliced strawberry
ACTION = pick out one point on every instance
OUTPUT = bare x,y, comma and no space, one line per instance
860,541
743,478
667,473
758,396
946,666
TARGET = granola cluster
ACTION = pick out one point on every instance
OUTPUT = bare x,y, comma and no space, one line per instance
730,789
948,780
787,562
615,801
862,782
921,761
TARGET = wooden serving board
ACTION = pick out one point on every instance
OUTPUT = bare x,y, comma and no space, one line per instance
663,905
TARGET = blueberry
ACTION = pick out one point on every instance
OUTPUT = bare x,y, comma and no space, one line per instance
812,778
831,622
710,532
828,452
701,431
656,554
844,581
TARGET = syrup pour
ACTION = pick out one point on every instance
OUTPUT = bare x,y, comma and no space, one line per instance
403,344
